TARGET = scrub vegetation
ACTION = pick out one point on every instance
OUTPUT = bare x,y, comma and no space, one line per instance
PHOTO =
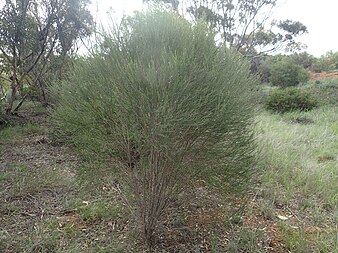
162,140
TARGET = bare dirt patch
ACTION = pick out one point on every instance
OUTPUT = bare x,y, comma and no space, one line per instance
323,75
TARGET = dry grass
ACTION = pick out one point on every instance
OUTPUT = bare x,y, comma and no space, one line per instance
53,202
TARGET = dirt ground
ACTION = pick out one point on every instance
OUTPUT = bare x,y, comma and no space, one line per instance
38,179
324,75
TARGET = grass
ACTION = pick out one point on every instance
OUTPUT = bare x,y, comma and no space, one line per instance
299,178
26,180
303,241
3,176
37,187
17,132
99,209
301,157
300,162
247,240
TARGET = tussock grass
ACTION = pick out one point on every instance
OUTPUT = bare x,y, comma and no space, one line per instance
295,153
300,162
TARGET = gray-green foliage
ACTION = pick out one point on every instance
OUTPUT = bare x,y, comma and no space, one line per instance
242,24
167,104
326,63
285,73
36,39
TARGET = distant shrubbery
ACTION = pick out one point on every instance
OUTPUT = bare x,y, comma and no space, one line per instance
290,99
326,63
167,105
289,70
283,70
285,73
303,59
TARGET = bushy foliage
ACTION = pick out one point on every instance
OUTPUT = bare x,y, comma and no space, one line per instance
304,59
167,105
285,73
324,91
261,66
282,68
290,99
2,106
326,63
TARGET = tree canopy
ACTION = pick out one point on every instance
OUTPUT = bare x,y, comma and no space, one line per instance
37,34
244,25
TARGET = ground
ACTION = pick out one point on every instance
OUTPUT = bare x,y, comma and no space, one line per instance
53,201
323,75
42,209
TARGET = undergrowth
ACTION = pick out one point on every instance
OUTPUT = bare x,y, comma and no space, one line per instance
300,163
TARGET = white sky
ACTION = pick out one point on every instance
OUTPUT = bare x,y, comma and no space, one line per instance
320,17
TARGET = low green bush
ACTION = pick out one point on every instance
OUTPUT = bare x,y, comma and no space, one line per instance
325,91
290,99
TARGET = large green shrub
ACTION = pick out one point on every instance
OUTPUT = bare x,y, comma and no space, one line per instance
289,99
285,73
167,105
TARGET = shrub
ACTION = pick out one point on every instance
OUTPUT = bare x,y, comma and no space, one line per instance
286,73
326,63
264,63
289,99
167,105
3,116
303,59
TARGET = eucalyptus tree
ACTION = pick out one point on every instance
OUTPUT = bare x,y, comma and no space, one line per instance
244,25
34,36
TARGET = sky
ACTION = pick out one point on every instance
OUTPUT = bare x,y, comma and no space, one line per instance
320,17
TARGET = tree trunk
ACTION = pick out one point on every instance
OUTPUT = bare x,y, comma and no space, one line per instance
14,84
13,94
19,104
43,97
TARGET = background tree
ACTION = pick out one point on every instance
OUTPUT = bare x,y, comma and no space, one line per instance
244,24
173,3
304,59
35,37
